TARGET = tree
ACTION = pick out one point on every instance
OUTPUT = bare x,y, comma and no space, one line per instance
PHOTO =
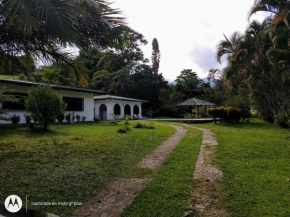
155,56
258,60
187,84
40,29
44,104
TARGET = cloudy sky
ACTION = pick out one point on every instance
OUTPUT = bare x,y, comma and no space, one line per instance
187,30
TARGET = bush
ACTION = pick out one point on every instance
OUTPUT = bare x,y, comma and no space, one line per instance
226,114
28,118
15,119
60,117
282,119
84,118
138,126
122,130
44,104
78,117
67,117
166,110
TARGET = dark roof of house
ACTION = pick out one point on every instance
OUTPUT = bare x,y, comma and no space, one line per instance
111,97
195,102
56,87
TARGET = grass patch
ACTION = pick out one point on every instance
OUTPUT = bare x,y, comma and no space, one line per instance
9,76
167,193
136,172
255,159
71,162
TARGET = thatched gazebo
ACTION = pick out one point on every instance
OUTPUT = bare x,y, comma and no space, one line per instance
196,103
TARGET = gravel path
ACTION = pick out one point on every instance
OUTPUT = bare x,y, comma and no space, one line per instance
204,199
117,195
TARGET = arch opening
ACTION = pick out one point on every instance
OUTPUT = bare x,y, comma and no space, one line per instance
117,109
103,112
127,110
136,110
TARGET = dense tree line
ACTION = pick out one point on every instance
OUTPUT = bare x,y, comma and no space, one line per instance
258,60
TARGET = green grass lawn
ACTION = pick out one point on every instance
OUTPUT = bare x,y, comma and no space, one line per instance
255,159
70,162
167,193
9,76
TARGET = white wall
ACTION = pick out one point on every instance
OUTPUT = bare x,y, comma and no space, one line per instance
88,101
110,103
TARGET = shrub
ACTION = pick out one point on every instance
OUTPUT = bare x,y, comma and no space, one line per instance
35,120
28,118
78,117
84,118
149,113
282,119
67,117
96,119
60,117
44,104
122,130
226,114
15,119
139,125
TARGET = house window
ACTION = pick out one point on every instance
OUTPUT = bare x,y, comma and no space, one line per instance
18,105
74,104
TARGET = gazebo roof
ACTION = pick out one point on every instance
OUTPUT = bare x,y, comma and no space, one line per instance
195,102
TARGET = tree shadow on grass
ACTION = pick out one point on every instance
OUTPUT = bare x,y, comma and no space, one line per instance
248,125
9,130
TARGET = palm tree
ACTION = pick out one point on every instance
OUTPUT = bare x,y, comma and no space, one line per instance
188,84
155,56
42,28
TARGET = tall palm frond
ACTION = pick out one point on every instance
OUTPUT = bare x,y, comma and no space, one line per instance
41,28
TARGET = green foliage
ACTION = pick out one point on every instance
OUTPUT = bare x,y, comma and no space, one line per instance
40,29
60,117
187,85
122,130
28,118
15,119
44,104
144,126
282,119
78,117
226,114
4,97
258,60
67,117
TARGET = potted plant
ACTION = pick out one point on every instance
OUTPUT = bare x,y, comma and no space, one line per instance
15,119
78,117
28,118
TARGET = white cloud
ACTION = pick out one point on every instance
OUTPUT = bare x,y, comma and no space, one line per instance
187,30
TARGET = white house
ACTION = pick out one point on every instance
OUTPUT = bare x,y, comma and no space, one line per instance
108,107
81,101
